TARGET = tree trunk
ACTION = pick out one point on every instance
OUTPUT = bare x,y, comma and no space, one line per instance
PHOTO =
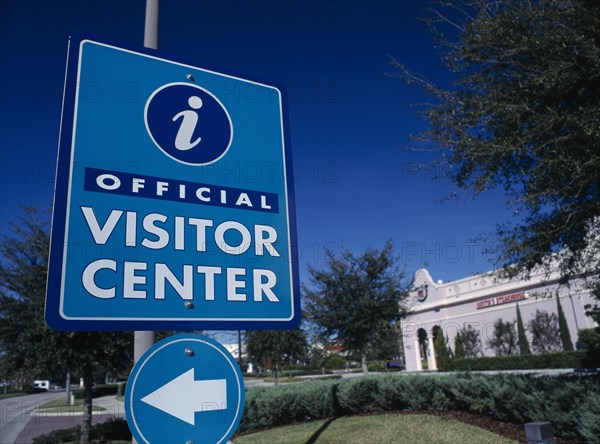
88,382
363,362
68,388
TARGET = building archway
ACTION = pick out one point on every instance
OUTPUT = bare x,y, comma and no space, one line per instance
423,342
434,333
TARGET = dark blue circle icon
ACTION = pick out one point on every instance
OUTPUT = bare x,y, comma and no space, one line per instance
188,123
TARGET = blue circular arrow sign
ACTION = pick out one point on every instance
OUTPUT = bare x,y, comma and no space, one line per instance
186,388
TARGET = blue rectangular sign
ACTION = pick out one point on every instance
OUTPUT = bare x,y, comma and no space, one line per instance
173,205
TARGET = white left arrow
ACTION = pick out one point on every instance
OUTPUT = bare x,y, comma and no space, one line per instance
183,396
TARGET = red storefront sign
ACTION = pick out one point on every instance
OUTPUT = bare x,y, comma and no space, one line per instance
498,300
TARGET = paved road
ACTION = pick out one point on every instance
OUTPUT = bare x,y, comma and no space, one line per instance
15,413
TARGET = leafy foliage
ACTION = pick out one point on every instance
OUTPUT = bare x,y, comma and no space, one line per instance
563,328
588,424
356,300
459,349
29,346
470,341
573,359
589,339
503,341
319,359
388,346
31,350
545,337
23,334
442,352
521,337
101,390
521,113
107,431
272,348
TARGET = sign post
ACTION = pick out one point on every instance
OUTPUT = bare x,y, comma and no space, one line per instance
143,340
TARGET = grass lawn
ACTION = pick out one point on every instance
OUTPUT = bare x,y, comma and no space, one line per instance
11,395
381,429
59,406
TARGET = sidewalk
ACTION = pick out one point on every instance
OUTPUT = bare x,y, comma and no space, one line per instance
45,422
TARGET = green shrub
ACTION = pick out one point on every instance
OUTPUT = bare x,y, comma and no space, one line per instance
59,436
441,350
376,366
589,420
331,362
30,389
589,339
570,403
121,387
292,372
99,391
324,378
572,359
269,407
111,430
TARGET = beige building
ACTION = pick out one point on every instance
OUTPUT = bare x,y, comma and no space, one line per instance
478,301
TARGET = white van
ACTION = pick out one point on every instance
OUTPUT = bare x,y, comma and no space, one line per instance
42,384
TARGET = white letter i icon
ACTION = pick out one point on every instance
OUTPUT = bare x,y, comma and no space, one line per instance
183,141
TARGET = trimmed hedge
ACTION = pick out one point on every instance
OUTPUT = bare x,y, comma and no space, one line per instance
99,391
113,429
571,404
121,387
571,359
30,389
382,366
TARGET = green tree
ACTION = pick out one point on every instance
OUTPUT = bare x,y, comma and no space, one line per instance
521,113
521,337
563,327
271,349
459,350
545,337
31,350
423,346
503,340
442,352
470,341
356,299
589,339
388,347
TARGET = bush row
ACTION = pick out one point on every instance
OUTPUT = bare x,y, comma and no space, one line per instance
571,359
113,429
384,366
121,387
571,404
99,391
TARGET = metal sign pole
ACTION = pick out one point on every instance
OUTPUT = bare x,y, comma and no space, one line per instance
143,340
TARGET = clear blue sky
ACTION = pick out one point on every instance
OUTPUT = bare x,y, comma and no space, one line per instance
356,184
